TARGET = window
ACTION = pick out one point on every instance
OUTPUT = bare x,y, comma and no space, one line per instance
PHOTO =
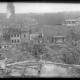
11,35
15,35
0,46
18,35
15,41
18,40
12,41
24,35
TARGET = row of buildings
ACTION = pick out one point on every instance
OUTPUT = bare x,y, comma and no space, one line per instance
17,31
47,34
57,34
15,36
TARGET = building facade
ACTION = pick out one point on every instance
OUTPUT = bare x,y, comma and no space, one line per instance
12,35
15,36
6,45
32,36
6,35
72,22
59,39
25,35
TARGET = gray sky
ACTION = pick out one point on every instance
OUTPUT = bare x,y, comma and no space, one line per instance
41,7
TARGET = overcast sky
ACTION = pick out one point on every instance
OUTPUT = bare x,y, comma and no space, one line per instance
41,7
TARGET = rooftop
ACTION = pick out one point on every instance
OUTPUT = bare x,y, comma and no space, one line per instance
71,20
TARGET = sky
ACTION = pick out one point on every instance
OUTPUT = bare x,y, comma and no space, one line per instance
41,7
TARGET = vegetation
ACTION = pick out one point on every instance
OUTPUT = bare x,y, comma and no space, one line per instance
36,50
70,56
72,53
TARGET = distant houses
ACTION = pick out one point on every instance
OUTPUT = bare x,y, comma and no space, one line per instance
48,34
57,33
38,38
59,39
72,22
54,34
6,45
33,35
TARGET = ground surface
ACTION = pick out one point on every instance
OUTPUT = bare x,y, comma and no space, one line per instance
48,69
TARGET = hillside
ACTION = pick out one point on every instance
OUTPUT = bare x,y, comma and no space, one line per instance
46,18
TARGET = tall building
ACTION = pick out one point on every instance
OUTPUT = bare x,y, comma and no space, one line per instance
15,36
25,35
